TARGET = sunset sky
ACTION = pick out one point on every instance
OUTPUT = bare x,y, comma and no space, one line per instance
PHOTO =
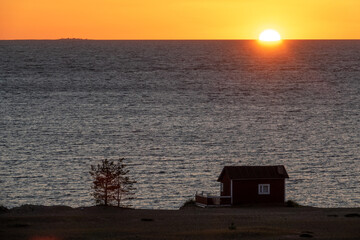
178,19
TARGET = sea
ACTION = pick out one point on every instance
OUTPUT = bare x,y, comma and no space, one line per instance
178,112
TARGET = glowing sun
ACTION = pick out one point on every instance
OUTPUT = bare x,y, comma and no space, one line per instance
270,35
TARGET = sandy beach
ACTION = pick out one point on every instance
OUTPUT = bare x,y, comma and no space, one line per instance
61,222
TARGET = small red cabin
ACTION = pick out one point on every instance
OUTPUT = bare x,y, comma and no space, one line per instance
248,185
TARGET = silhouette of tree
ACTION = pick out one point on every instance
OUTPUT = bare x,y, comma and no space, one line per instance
124,185
110,184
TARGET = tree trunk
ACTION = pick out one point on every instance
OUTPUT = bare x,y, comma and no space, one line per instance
118,194
106,197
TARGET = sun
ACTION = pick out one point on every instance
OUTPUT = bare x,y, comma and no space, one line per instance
270,35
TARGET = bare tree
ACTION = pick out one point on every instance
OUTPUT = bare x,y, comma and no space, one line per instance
124,185
110,183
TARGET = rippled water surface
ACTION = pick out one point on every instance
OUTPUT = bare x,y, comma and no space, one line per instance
178,111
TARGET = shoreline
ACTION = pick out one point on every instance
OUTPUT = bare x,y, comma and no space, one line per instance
258,222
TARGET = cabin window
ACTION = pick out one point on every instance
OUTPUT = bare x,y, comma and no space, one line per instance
221,187
264,189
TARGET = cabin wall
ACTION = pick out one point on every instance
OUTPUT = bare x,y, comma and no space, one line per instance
227,186
246,191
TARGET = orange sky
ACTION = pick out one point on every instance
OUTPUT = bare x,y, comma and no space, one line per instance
178,19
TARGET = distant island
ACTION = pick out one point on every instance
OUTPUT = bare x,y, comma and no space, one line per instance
72,39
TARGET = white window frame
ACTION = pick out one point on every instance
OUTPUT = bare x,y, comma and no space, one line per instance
262,189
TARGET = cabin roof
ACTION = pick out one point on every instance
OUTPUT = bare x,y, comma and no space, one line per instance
253,172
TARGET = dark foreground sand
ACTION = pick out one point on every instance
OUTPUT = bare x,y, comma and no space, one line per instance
57,223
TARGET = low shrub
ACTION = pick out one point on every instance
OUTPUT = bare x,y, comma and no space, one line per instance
306,235
3,209
232,226
292,203
189,203
352,215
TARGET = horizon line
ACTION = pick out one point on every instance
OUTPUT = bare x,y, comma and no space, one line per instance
170,39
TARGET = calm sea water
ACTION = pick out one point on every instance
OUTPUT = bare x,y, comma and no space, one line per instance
178,111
